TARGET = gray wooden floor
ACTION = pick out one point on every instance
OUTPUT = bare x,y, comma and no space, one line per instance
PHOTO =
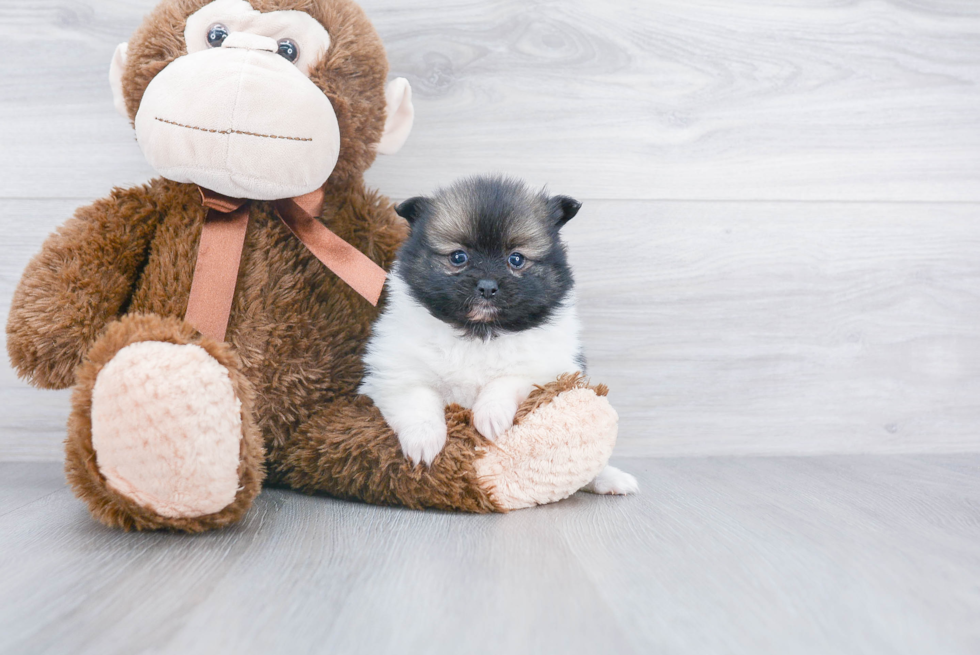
834,554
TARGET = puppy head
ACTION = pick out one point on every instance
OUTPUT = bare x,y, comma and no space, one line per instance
484,255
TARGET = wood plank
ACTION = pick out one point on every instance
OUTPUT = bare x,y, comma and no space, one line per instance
722,328
784,327
666,99
849,554
842,555
27,482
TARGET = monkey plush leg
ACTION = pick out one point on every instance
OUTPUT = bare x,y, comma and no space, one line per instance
562,438
160,434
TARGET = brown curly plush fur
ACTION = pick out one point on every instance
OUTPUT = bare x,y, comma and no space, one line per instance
120,271
349,452
82,279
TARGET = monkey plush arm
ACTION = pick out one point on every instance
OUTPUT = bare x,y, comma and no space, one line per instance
563,435
82,279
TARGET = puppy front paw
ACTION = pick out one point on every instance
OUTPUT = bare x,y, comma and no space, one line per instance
423,440
494,416
612,481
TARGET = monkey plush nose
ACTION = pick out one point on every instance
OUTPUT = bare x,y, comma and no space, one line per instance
487,288
248,41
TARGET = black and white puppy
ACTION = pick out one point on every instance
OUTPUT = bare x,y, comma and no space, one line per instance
481,307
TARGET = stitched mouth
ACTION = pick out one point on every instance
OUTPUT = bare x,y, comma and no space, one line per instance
243,133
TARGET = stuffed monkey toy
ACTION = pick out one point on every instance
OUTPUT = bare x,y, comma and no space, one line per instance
212,321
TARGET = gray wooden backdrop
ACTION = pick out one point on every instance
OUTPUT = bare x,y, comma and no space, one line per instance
779,250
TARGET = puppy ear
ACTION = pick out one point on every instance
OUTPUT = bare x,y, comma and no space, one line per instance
563,209
116,69
412,208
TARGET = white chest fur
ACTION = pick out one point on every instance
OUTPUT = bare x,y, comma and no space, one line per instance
411,348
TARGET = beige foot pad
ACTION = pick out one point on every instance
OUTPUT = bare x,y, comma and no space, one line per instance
167,427
553,452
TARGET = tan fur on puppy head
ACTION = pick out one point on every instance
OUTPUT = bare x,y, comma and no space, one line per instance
457,212
352,73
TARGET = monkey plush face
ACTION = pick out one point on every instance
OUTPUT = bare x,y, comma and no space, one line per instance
259,104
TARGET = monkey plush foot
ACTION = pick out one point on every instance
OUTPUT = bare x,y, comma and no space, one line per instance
166,425
165,414
554,449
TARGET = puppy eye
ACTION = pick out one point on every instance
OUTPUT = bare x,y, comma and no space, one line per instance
289,49
217,34
516,260
459,258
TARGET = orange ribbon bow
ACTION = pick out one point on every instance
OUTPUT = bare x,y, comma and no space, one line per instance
220,253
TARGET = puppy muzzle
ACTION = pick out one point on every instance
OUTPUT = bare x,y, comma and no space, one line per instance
482,311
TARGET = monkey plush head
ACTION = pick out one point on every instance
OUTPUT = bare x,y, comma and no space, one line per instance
260,99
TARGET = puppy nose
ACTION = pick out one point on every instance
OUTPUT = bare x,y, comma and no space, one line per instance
487,288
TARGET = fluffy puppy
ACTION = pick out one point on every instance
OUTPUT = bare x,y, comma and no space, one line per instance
481,307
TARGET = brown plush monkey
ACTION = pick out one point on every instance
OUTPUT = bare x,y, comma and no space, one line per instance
265,101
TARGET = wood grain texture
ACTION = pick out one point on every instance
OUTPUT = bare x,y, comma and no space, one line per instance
855,554
721,328
28,483
617,99
792,328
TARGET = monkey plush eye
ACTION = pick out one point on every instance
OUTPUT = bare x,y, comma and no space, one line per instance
458,258
217,34
288,49
516,260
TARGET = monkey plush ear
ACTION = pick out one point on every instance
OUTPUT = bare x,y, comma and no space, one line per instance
116,69
400,115
412,208
563,209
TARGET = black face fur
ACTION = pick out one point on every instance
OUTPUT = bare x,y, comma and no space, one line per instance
489,219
